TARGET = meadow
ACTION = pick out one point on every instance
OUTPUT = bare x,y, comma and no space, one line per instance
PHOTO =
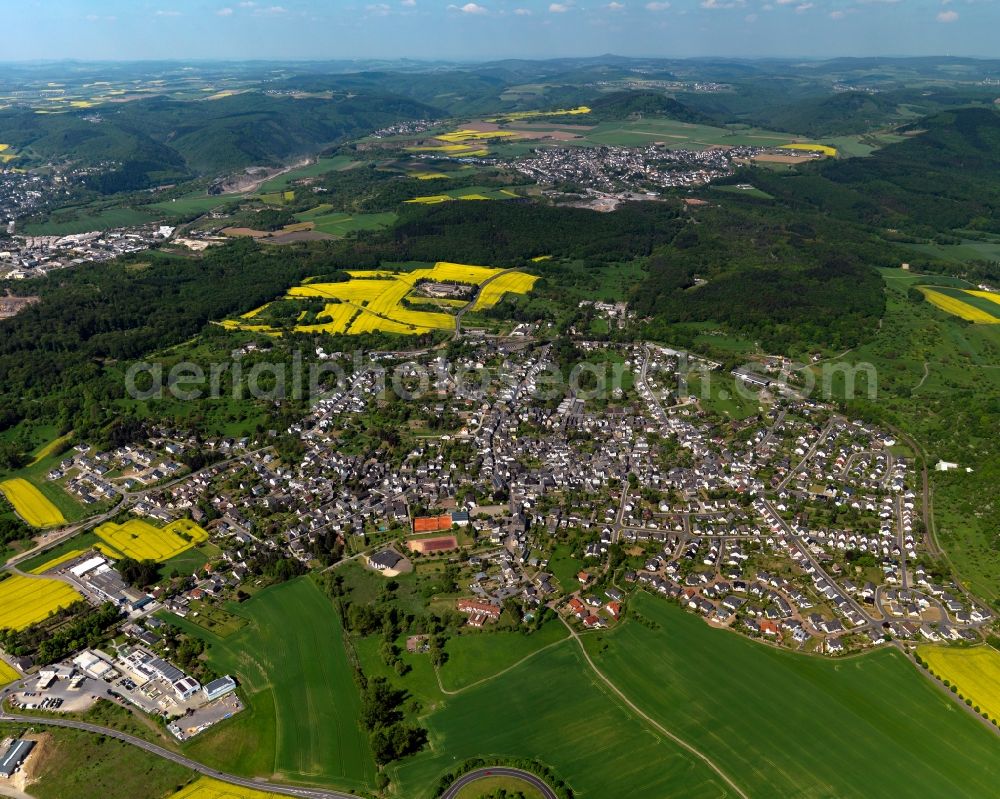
88,218
28,600
681,135
792,721
319,167
337,223
140,540
302,718
31,504
467,193
975,671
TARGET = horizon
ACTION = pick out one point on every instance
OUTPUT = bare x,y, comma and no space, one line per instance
308,30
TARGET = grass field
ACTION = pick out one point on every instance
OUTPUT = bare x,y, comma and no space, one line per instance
28,600
195,203
58,560
551,709
680,135
472,658
208,788
77,764
88,219
340,224
488,786
320,167
975,671
81,542
302,718
31,504
51,448
963,304
467,193
783,724
140,540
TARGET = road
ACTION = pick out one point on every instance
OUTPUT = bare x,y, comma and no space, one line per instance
158,751
498,771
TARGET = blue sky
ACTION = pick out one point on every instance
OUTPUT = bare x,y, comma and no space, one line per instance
486,29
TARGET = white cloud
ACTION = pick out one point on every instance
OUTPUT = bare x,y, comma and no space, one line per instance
837,15
408,3
469,8
615,6
224,12
270,11
715,4
657,6
378,10
168,13
558,8
804,7
750,18
947,16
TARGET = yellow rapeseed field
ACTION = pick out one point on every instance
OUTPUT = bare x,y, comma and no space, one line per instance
339,315
208,788
958,308
812,148
30,503
51,564
475,135
7,674
975,671
28,600
992,296
513,282
514,115
140,540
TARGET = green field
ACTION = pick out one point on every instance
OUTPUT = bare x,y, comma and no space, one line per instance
968,250
302,718
81,541
320,167
88,219
682,135
784,724
490,785
478,656
87,766
340,224
743,190
551,709
195,203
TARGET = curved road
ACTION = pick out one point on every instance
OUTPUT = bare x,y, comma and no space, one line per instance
499,771
158,751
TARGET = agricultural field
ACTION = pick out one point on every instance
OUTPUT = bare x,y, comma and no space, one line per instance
195,203
140,540
28,600
87,219
302,718
80,542
468,193
827,150
975,671
549,708
512,282
785,714
516,116
320,167
681,135
338,223
489,786
8,674
974,306
31,504
372,300
277,197
52,563
52,448
208,788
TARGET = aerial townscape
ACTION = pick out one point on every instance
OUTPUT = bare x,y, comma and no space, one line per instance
498,427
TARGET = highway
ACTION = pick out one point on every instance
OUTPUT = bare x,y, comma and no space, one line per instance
498,771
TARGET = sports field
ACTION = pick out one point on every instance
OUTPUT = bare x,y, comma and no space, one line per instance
980,307
140,540
302,718
975,671
30,503
28,600
208,788
777,722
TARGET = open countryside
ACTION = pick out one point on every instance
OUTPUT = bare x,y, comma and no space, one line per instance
979,307
208,788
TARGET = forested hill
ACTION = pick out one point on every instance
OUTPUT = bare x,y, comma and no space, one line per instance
160,140
622,105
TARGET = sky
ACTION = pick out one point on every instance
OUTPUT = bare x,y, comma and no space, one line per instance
490,29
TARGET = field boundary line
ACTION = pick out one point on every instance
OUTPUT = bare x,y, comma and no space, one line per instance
446,692
651,721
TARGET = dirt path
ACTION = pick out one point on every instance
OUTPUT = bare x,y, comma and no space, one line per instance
437,671
652,722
